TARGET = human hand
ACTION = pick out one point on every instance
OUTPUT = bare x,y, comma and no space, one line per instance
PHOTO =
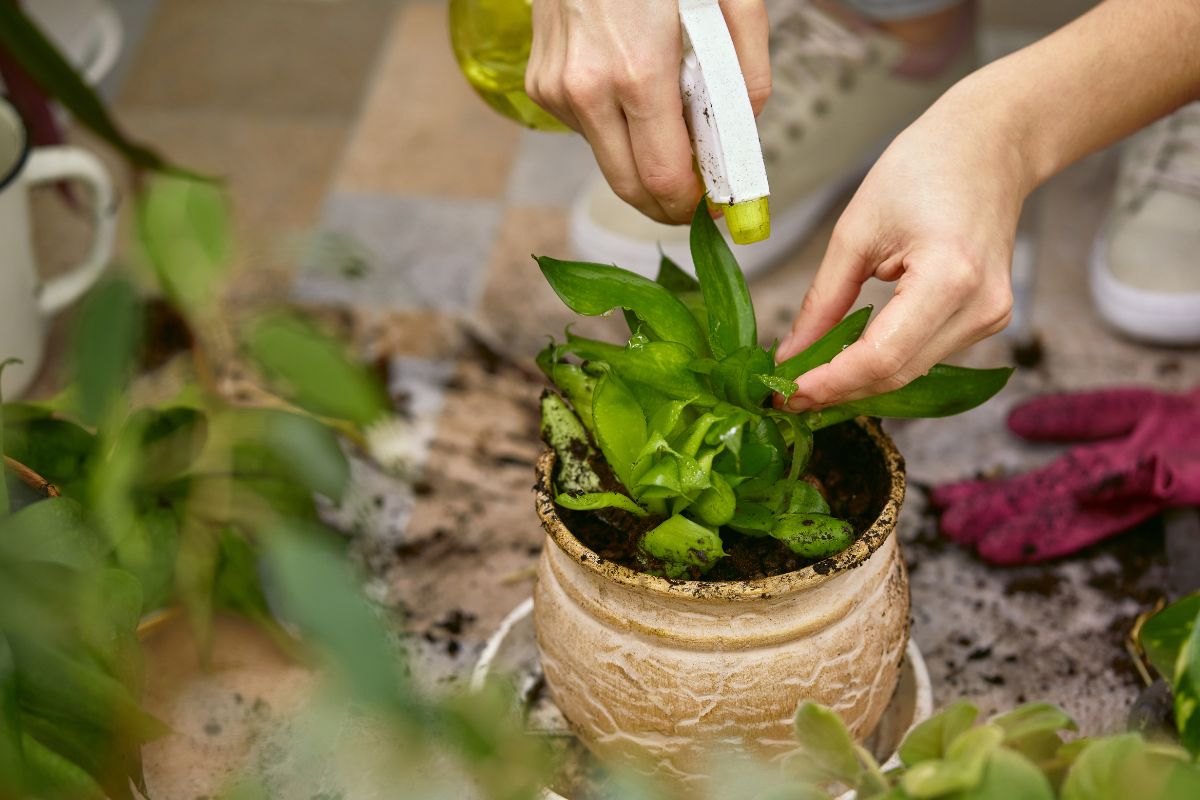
609,69
937,214
1145,457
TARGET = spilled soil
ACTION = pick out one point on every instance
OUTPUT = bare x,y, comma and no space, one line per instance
845,462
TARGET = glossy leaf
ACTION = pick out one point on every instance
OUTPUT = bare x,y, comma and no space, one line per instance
315,371
673,278
597,500
716,505
571,380
823,350
593,289
813,535
1163,635
1126,766
731,323
827,751
930,739
620,426
778,385
683,546
1032,719
961,769
944,391
663,366
1008,776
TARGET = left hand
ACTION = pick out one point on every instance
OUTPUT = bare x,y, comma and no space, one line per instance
937,214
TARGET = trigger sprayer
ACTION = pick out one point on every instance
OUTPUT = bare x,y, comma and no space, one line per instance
492,38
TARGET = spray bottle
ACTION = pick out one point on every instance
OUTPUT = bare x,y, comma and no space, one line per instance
492,39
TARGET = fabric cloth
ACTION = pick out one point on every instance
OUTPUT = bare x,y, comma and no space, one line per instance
888,10
1143,456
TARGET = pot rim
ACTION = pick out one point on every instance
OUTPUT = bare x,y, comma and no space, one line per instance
773,586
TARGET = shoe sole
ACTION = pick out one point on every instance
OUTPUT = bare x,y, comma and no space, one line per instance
591,242
1157,317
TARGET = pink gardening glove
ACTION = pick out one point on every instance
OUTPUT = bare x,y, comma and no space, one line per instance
1146,457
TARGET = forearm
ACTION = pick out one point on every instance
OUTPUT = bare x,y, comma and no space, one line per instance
1110,72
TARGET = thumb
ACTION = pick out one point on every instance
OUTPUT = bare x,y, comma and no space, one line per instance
747,23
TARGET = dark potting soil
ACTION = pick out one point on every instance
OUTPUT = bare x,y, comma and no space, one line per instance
846,463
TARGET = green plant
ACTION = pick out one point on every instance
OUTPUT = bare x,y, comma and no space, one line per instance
681,411
1020,754
1171,641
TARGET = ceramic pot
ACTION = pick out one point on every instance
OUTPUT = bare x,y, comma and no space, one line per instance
657,675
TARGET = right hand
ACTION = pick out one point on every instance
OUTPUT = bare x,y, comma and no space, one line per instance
609,69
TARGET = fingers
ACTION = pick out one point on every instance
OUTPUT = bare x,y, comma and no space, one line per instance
835,288
747,23
942,304
662,151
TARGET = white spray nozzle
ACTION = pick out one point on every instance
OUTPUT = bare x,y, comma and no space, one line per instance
721,121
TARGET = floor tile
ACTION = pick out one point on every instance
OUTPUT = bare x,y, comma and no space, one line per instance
265,56
399,252
423,130
550,169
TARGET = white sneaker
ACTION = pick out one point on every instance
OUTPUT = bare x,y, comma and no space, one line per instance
1145,264
836,103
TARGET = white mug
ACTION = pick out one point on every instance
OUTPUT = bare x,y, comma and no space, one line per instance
26,301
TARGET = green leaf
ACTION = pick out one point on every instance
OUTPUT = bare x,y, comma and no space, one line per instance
822,351
752,519
674,279
154,566
1032,719
961,770
314,370
1009,776
594,289
57,777
813,535
1162,636
4,501
12,758
716,505
944,391
1126,766
782,386
596,500
683,546
571,380
56,449
336,618
930,739
54,530
171,439
731,323
805,499
183,227
620,426
107,336
108,617
21,39
663,366
308,451
1186,688
827,752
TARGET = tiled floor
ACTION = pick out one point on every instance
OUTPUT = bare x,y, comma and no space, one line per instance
348,118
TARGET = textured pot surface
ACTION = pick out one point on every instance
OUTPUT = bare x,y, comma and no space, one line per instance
658,674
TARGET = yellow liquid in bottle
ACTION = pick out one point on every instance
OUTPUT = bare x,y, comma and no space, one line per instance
491,40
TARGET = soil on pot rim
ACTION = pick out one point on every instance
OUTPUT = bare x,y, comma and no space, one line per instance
845,461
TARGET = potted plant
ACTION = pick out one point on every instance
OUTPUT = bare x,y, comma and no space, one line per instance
715,561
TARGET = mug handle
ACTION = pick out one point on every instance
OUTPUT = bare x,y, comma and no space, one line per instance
62,162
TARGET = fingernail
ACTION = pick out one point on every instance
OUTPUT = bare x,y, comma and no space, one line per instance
797,403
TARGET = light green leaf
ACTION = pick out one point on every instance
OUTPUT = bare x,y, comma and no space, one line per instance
1009,776
1126,766
108,617
564,433
57,777
962,768
596,500
781,386
308,451
1162,636
930,739
731,323
12,758
823,350
183,226
1186,688
594,289
1031,719
663,366
716,505
673,278
620,426
571,380
4,501
683,546
54,530
315,371
827,752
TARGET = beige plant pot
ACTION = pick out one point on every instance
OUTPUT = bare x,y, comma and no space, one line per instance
658,675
